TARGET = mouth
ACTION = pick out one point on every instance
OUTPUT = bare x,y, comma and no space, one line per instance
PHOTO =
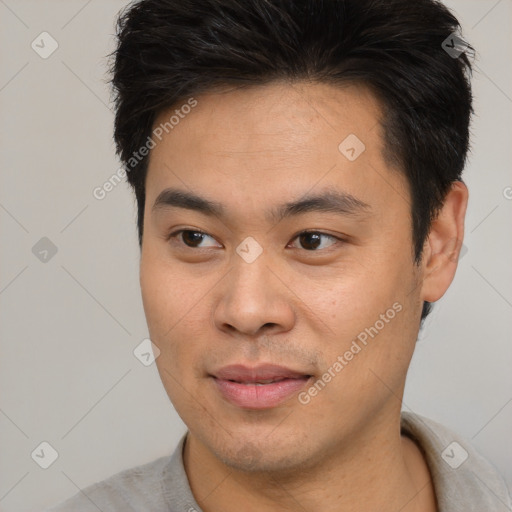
261,387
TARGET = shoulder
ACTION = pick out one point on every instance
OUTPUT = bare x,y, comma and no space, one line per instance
463,479
131,490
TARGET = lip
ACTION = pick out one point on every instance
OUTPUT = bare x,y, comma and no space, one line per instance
238,385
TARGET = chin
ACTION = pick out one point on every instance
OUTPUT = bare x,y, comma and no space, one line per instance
253,454
250,459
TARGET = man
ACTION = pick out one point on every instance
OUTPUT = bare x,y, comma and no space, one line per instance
297,168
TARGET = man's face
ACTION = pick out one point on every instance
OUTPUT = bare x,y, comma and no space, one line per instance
253,290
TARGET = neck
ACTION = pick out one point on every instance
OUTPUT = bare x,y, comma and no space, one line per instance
377,469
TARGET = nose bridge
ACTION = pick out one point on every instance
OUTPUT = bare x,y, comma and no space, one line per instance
253,297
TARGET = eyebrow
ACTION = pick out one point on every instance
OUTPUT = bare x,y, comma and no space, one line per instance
329,201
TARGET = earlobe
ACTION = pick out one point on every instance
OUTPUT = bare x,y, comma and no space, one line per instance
444,243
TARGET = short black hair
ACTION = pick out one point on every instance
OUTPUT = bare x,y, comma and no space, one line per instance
170,50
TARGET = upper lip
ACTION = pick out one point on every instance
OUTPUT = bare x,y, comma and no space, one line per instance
241,373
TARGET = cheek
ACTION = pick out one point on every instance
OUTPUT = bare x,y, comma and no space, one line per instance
157,297
370,300
174,305
167,293
352,296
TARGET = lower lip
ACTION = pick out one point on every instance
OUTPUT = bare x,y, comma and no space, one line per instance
252,396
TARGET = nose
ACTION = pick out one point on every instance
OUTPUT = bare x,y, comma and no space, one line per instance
253,300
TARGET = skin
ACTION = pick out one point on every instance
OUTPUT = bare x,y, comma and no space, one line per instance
251,149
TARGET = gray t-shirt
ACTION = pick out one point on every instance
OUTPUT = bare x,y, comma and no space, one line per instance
463,480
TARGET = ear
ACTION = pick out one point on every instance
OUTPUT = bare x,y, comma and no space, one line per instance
442,247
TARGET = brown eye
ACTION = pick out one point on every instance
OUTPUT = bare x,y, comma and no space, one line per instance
191,238
312,240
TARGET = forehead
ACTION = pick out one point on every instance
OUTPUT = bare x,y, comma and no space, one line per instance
274,141
275,116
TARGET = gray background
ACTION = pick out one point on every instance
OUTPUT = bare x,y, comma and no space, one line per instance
69,325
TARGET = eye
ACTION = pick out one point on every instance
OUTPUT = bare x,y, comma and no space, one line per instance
191,238
312,240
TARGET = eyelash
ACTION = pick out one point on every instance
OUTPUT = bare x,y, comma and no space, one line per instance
175,234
